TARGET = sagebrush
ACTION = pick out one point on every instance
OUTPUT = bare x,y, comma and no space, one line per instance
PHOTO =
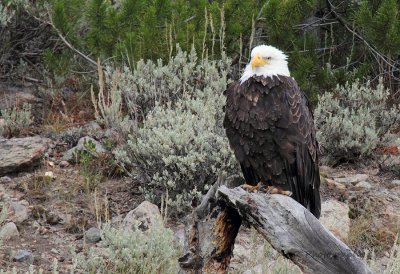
181,148
15,119
121,251
354,120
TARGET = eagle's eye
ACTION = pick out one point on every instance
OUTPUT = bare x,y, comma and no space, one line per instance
269,58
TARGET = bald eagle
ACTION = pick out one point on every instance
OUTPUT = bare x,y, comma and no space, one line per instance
270,128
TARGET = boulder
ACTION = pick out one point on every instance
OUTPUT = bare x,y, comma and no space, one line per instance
19,211
93,235
141,217
69,155
335,217
8,231
18,154
23,256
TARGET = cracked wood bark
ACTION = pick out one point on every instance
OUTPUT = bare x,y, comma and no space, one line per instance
285,224
211,237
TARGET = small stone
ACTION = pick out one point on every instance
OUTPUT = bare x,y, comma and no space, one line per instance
69,155
396,182
5,180
63,164
93,235
92,128
55,251
19,211
332,184
8,231
352,179
141,217
364,184
23,256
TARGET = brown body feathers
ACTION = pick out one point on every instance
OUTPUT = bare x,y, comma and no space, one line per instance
270,128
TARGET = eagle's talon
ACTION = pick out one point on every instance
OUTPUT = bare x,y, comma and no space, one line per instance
251,188
277,190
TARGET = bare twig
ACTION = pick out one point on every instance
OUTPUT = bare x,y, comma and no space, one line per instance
376,53
65,41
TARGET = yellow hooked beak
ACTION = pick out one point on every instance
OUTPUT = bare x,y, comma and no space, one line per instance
258,61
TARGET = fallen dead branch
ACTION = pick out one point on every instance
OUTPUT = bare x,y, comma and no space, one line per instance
290,228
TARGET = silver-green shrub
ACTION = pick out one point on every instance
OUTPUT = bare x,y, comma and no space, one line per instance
181,147
121,251
15,119
7,11
157,83
354,120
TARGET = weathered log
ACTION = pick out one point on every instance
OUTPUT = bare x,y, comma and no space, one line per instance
211,237
290,228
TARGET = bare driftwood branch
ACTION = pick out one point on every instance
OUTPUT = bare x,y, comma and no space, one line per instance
285,224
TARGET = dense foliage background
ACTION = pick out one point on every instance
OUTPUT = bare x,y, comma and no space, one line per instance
328,41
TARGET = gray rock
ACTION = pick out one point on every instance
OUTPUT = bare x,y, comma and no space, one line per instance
5,180
69,154
332,184
23,256
364,184
142,217
93,235
396,182
18,154
8,231
353,179
93,129
19,211
335,217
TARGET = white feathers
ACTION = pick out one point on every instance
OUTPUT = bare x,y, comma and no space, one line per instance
276,63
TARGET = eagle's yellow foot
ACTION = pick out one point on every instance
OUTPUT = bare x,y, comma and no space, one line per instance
276,190
251,188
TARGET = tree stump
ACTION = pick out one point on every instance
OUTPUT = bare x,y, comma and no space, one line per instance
289,227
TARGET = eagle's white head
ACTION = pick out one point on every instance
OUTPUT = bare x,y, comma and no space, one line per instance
266,61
